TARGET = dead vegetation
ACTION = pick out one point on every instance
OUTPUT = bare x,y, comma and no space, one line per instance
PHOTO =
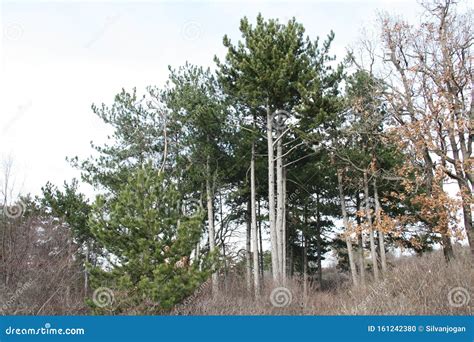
414,286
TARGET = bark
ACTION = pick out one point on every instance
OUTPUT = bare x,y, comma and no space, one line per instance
280,206
368,214
345,221
407,99
305,266
304,256
260,241
319,243
284,238
467,213
447,248
86,272
460,148
248,252
210,218
378,213
256,276
291,262
271,198
361,242
198,253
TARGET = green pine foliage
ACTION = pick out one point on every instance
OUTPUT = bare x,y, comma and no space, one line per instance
147,234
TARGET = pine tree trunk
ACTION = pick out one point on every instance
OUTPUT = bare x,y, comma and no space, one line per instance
362,258
291,262
256,275
319,243
210,218
368,215
280,205
319,260
86,272
378,215
361,242
260,241
304,256
198,253
284,237
248,254
271,198
345,221
305,267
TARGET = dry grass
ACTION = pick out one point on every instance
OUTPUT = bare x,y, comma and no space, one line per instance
413,286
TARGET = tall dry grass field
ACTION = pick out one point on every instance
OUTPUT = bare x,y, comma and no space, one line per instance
413,286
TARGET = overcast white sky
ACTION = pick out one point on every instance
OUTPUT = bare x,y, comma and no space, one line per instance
57,58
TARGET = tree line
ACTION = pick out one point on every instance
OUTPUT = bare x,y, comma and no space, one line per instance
279,140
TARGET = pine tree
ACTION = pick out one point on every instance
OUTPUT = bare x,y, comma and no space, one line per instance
71,207
265,72
149,240
195,102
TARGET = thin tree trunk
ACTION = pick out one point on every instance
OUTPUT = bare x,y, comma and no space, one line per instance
368,215
198,253
319,243
345,221
280,205
291,262
305,267
361,245
460,150
210,218
271,198
467,214
86,273
445,238
304,257
378,215
260,241
248,254
447,247
256,276
284,238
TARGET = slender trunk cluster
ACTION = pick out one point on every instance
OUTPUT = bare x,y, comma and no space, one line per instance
253,262
271,199
276,200
345,220
378,218
368,216
253,206
280,221
210,218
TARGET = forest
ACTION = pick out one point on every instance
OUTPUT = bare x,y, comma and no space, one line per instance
281,181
